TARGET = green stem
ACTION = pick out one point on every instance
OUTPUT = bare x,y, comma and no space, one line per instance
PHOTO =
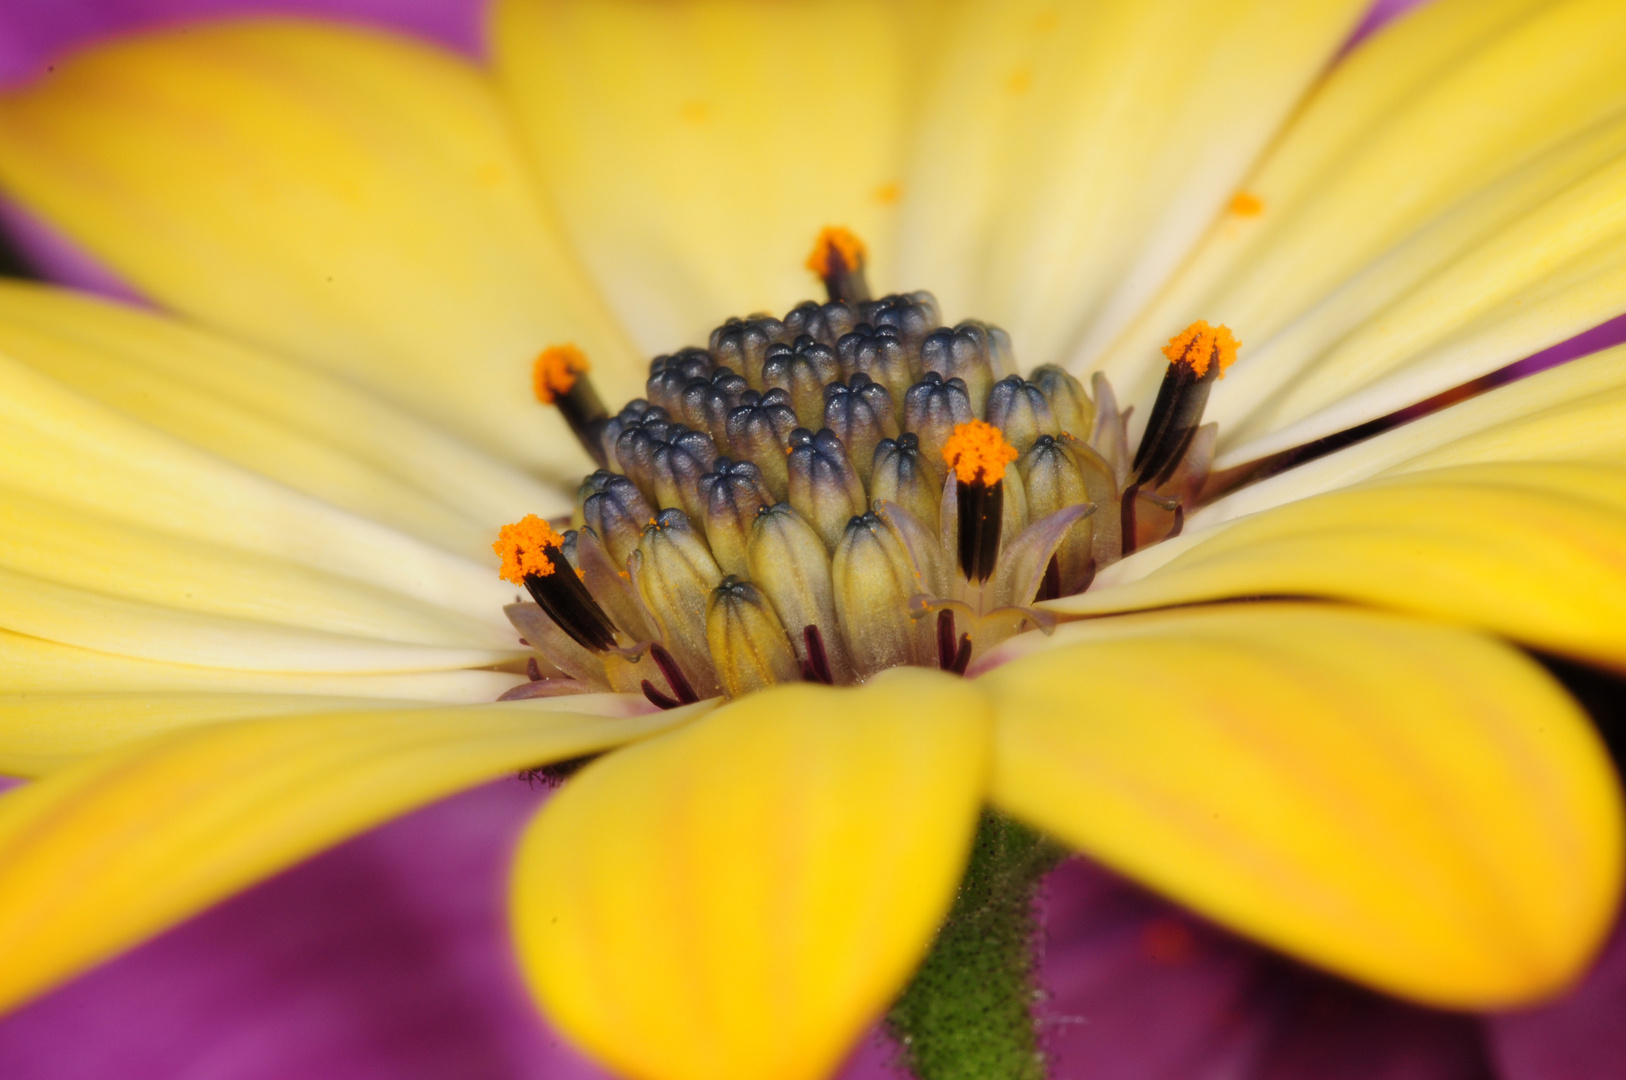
968,1012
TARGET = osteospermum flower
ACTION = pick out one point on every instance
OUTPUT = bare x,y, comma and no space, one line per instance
226,572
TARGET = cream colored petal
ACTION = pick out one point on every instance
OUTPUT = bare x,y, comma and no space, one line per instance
36,666
111,624
1447,202
351,198
61,447
1071,154
739,900
1529,551
1415,807
109,851
1573,412
695,148
43,733
87,552
282,420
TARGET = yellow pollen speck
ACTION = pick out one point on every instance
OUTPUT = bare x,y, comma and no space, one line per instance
1247,204
977,450
555,371
888,193
1199,344
836,249
523,546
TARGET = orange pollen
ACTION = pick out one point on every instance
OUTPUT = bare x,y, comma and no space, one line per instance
523,548
556,370
977,451
1199,345
836,251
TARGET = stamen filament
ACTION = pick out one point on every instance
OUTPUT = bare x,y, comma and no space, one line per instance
1197,358
559,378
838,258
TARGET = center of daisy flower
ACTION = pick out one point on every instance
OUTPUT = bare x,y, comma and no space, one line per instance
846,488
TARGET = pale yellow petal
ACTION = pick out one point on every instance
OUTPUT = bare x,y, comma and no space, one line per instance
283,420
112,850
1447,202
91,553
1530,551
695,148
737,901
1071,154
1414,807
1573,412
36,666
352,198
45,732
61,447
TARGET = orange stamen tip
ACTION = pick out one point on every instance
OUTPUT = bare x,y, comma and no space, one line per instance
1199,345
977,451
523,549
836,251
556,371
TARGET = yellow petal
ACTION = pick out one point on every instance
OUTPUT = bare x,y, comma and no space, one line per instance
279,419
1530,551
740,899
112,850
1072,154
59,446
1573,412
349,197
91,553
45,732
41,733
1411,806
1447,202
34,665
696,148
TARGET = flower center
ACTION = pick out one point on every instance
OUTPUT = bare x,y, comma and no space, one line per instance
848,488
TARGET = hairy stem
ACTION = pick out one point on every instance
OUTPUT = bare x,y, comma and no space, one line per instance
968,1012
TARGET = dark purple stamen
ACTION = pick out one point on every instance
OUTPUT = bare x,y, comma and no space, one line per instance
816,668
660,700
962,658
674,674
533,670
945,639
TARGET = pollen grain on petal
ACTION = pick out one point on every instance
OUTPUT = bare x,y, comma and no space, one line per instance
1247,204
556,370
836,251
1199,345
977,451
523,548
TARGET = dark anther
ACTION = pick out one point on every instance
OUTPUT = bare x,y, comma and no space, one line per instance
567,602
962,656
816,668
1175,417
981,513
585,413
533,670
674,675
945,639
838,258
